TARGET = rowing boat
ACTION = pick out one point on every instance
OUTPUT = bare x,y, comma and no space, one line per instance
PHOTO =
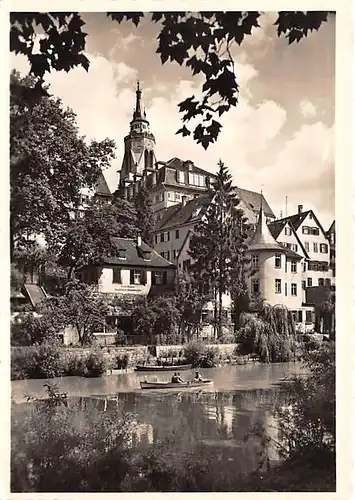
174,385
166,368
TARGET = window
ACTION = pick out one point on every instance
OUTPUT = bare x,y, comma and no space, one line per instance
306,246
181,176
168,236
167,255
309,281
304,267
327,282
293,267
286,289
295,248
186,264
294,289
136,277
323,248
288,231
255,261
305,230
278,261
116,276
177,234
314,230
315,247
303,284
156,238
320,281
162,238
177,196
277,286
299,316
255,287
309,317
160,277
174,254
294,315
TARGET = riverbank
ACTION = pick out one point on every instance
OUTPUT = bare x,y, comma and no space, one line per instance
51,360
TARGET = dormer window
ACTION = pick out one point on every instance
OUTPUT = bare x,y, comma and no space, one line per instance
181,176
122,254
147,254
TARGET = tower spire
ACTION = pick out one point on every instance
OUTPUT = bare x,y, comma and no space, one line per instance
137,114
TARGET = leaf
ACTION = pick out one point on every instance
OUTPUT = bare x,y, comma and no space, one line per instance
184,131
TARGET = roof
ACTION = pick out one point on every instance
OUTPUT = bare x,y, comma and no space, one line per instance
35,293
177,215
135,255
331,228
253,201
262,238
186,165
102,188
276,227
292,255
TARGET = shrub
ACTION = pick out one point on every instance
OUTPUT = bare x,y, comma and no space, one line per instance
76,366
48,361
195,351
121,362
96,364
120,338
43,361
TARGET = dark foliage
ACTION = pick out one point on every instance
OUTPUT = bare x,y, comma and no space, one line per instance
202,42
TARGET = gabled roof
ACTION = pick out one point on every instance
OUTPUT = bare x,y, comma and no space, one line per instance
253,200
297,219
102,188
331,228
135,255
262,239
277,226
177,215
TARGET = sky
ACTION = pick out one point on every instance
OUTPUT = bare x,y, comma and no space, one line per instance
279,138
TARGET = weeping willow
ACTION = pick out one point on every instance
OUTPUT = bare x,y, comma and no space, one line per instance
269,334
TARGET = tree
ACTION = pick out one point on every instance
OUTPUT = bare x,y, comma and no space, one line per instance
157,318
49,163
269,334
145,219
202,42
190,304
218,244
89,238
81,308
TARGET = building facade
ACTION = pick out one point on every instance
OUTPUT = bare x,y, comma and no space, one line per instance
278,274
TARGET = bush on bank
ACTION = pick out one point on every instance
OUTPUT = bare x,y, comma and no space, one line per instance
50,360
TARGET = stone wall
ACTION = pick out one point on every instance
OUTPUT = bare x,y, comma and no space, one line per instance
163,350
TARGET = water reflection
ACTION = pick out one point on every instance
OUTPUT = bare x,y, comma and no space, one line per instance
219,420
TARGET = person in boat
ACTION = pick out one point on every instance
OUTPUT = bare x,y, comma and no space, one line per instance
174,378
180,380
198,377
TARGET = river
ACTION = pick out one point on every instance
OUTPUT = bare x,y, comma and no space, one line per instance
220,417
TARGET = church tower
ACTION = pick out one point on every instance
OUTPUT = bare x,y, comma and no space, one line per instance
139,158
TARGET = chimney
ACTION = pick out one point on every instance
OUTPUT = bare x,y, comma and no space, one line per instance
139,241
183,200
300,209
